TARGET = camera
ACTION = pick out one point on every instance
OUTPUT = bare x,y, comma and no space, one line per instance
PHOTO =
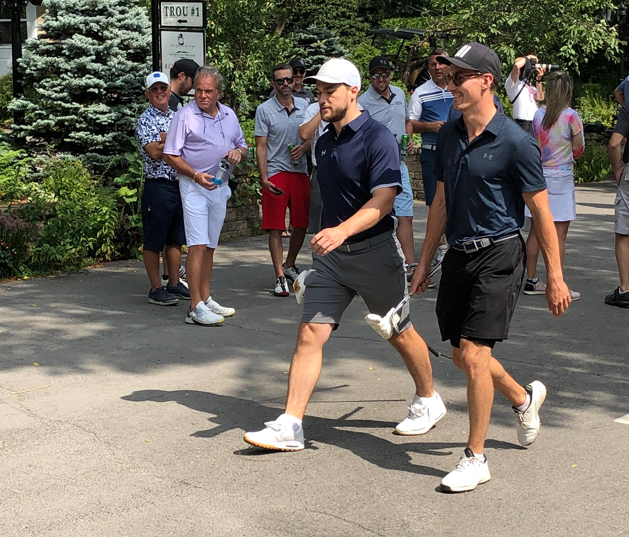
529,69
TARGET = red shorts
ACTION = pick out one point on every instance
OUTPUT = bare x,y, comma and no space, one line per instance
296,187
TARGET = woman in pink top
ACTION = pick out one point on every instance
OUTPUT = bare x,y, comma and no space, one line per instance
559,133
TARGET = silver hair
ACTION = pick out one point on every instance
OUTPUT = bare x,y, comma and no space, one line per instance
214,73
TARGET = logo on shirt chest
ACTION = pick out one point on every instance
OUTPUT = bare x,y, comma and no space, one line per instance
488,156
323,153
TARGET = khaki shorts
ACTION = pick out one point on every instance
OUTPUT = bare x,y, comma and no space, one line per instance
373,269
621,209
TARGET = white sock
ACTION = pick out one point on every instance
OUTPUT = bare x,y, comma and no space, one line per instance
620,291
480,457
526,403
289,419
533,280
427,400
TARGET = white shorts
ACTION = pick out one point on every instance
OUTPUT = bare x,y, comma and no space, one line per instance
561,196
203,212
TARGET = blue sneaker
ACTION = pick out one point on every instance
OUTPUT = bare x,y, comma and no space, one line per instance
161,297
179,291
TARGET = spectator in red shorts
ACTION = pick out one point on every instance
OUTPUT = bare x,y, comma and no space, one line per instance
283,173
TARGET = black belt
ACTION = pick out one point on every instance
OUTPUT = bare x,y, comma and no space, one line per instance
349,247
169,182
478,244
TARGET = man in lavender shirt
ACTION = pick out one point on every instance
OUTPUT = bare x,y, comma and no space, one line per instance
201,134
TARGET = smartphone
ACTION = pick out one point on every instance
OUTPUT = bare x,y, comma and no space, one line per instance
277,190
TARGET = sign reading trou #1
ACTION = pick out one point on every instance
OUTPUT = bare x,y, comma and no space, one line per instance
181,14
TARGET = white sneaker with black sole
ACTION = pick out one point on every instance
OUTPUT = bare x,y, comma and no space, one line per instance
468,474
202,315
422,416
215,307
528,421
283,434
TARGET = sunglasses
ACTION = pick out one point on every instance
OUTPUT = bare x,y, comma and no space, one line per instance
160,89
458,78
383,76
299,71
287,79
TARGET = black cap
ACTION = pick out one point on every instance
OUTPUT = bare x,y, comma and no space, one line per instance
379,62
297,62
189,67
476,57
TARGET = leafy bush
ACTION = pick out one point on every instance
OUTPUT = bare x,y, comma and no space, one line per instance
595,104
14,236
594,165
75,216
129,236
15,167
6,94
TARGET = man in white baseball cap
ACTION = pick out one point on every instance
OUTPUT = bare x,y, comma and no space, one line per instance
359,172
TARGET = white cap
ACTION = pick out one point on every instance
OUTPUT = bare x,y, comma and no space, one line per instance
156,77
338,71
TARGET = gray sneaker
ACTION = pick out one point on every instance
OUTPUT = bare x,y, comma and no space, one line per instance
291,272
534,288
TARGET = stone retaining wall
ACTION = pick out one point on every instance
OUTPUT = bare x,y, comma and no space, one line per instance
244,220
415,172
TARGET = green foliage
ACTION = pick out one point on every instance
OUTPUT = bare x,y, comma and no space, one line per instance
15,167
6,94
85,74
593,165
568,33
14,237
128,236
243,45
75,216
595,104
317,45
361,55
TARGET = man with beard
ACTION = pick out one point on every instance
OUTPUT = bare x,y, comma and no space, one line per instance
283,173
355,253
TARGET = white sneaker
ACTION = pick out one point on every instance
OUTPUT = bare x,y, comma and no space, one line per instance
281,287
201,314
283,434
215,307
529,423
291,272
468,474
421,418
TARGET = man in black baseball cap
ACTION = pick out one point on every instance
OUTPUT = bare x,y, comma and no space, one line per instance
487,169
379,62
181,79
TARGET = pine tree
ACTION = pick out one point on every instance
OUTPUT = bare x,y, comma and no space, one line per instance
85,76
317,45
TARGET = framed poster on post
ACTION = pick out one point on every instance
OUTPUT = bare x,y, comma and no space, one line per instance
177,45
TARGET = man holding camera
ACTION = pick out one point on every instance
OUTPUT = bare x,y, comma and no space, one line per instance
520,91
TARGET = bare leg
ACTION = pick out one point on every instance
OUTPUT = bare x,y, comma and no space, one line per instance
562,233
414,352
532,253
305,367
484,373
151,263
405,237
194,271
296,242
622,259
172,261
277,250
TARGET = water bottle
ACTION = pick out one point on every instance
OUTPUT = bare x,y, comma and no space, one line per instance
222,175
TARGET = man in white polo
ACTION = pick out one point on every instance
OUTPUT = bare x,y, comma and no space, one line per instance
202,134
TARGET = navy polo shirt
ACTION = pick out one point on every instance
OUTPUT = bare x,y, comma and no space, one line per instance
484,179
363,158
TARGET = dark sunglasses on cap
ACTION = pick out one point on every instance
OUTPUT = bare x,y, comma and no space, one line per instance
287,79
383,76
299,71
458,78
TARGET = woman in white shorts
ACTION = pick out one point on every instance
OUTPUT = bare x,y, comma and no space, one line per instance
559,132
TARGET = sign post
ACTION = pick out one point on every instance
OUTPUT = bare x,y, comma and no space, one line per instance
178,32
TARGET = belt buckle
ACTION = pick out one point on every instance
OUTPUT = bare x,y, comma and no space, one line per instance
345,248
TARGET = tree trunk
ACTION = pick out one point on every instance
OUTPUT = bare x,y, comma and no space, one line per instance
286,12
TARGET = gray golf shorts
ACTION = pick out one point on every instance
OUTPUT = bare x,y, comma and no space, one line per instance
621,208
373,269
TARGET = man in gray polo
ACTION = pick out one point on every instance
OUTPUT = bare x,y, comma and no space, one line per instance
283,173
387,104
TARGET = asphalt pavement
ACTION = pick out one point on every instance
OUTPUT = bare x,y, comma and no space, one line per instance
118,419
